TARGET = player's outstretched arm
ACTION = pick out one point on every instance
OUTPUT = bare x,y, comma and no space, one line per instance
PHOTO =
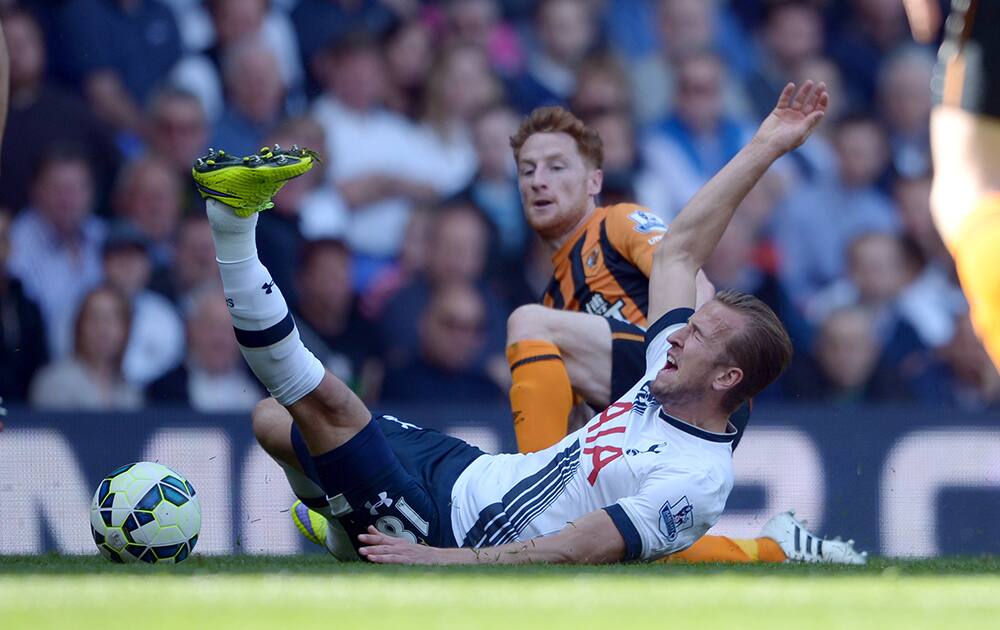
591,539
696,231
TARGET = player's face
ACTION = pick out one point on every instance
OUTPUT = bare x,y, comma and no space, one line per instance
557,185
697,362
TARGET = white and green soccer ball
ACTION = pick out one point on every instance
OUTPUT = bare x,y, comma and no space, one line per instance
147,512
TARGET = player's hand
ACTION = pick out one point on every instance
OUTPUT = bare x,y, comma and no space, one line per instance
794,117
382,549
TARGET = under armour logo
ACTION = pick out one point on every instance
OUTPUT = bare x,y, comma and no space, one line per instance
267,287
383,500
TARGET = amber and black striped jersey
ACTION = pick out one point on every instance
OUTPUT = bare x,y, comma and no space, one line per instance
604,267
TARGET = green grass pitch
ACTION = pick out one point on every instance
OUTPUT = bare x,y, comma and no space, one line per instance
314,592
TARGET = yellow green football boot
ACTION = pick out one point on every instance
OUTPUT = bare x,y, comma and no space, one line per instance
309,523
322,532
247,184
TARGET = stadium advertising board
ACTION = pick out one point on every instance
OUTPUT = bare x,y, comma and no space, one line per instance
902,482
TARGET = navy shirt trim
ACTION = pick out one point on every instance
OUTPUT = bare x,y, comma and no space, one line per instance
633,543
690,429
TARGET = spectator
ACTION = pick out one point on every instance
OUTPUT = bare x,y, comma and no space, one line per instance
148,197
213,377
56,242
451,337
494,187
818,220
907,321
412,262
178,132
478,23
601,85
156,339
875,29
409,56
740,262
118,50
367,151
843,363
627,179
460,85
236,23
685,27
912,196
330,322
456,253
904,99
792,34
968,379
43,114
320,24
194,267
23,349
691,145
90,378
253,106
566,31
816,159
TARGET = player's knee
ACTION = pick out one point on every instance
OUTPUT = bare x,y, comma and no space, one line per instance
530,321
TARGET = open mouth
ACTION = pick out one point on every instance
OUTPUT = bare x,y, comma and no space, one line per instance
670,365
542,203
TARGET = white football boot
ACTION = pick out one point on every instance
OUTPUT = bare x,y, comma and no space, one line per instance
801,545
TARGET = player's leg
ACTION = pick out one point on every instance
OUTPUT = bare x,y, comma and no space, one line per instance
345,451
547,350
965,140
311,513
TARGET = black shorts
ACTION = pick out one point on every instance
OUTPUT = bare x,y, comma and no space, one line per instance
628,367
968,73
628,358
398,478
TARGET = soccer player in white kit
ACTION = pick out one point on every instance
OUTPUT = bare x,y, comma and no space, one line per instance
644,478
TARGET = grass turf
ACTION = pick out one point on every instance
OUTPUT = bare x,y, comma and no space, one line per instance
251,592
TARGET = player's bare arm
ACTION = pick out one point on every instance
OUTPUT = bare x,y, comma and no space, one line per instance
590,539
696,231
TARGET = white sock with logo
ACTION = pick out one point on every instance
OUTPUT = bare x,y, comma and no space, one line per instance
264,328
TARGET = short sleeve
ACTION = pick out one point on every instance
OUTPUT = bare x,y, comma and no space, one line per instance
634,231
657,334
672,510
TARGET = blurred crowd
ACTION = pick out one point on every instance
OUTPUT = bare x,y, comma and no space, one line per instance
403,255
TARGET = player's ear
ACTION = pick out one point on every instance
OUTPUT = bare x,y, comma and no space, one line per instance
727,378
595,180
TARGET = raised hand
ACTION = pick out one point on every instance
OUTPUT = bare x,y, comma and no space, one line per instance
794,117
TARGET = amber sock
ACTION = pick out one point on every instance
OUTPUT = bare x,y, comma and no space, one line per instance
541,395
732,550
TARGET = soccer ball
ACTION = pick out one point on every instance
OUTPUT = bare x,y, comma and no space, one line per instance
147,512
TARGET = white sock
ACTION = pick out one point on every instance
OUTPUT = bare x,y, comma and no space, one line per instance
235,237
264,328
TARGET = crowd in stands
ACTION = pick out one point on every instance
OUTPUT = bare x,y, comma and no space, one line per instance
403,255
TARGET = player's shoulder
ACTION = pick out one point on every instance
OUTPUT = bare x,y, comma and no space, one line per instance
625,218
701,472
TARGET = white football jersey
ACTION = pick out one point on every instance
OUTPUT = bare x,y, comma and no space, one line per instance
662,481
